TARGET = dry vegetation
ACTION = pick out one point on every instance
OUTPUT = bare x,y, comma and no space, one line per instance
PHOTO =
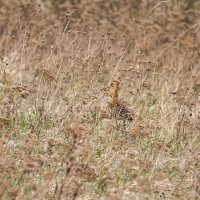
58,59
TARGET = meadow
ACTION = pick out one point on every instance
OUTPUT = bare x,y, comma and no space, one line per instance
57,62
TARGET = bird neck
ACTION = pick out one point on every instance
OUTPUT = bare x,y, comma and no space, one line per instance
115,94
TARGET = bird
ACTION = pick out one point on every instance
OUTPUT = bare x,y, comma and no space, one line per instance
118,109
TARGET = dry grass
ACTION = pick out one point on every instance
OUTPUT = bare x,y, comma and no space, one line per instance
58,59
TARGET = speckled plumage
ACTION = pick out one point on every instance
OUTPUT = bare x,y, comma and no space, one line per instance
120,111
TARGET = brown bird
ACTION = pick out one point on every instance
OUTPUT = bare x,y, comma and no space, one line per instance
118,109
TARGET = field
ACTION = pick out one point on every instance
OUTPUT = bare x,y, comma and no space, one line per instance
57,62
